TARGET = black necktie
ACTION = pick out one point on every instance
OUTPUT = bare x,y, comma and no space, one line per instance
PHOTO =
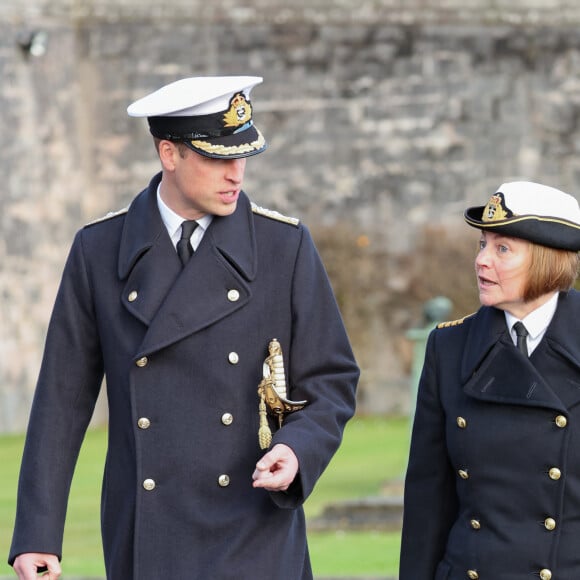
184,249
522,334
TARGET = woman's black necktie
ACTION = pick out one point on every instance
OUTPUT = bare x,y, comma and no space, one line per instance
522,335
184,248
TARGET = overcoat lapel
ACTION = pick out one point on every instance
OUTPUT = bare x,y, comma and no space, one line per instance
494,371
169,297
147,259
562,342
563,334
506,376
487,328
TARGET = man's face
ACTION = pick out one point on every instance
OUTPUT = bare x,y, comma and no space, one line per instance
195,185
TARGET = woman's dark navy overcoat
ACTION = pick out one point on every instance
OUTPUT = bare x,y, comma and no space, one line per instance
182,354
493,482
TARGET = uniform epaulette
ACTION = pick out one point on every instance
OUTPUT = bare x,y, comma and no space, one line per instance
108,216
454,322
272,214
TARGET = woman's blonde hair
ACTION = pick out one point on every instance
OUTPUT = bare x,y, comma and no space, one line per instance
551,270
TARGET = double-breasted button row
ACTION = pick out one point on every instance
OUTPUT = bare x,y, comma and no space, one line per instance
233,358
233,295
223,481
550,524
545,574
463,473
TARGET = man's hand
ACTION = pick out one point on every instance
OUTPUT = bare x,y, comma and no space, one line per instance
26,566
277,469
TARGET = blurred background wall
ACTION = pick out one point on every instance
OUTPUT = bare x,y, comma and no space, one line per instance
385,119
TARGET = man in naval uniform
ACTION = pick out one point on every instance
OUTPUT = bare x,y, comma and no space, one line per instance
175,301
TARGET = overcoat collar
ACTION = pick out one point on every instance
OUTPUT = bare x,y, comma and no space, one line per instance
233,235
563,334
167,297
493,370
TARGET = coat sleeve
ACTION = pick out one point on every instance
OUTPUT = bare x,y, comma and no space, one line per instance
67,389
321,370
430,502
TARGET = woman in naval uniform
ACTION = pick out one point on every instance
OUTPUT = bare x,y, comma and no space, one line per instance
492,489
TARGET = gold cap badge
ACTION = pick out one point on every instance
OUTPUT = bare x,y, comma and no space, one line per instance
496,210
239,112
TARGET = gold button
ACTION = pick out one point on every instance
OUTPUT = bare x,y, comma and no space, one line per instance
555,473
545,574
550,524
132,296
463,474
144,423
227,418
561,422
472,575
475,524
224,480
149,484
461,422
233,295
142,362
233,358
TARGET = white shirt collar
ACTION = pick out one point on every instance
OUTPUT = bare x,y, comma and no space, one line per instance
536,322
173,222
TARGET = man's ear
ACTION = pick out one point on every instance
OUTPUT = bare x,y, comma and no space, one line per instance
167,152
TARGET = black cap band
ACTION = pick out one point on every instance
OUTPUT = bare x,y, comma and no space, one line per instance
185,128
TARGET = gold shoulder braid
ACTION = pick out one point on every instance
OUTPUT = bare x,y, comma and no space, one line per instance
270,213
272,393
108,216
454,322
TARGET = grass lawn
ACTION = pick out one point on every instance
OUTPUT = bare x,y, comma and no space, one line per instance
373,452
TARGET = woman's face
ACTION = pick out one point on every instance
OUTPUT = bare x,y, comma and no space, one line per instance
502,266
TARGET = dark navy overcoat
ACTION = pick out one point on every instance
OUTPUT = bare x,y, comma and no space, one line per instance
493,481
182,354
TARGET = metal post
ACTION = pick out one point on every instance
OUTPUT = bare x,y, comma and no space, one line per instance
434,311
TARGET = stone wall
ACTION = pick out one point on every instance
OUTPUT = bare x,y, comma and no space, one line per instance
383,117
